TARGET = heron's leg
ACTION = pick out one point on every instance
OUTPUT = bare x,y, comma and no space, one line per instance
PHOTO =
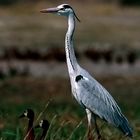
96,127
89,117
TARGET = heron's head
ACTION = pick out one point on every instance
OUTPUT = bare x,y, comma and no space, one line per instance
27,113
62,10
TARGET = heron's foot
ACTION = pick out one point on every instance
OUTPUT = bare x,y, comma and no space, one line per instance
99,137
90,136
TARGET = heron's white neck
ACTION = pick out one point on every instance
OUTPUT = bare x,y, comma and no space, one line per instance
70,54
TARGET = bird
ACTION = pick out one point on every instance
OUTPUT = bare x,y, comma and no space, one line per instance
88,92
29,113
44,124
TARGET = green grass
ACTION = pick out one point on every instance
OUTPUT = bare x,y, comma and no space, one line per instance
68,119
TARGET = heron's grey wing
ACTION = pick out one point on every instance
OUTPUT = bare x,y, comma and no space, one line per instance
94,97
97,99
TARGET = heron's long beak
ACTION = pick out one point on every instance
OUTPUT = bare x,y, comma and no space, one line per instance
49,10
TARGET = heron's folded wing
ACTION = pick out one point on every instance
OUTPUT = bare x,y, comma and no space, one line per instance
96,98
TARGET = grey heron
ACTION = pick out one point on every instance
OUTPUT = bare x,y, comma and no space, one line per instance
44,124
89,93
29,113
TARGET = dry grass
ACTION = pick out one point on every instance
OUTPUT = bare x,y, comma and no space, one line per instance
100,23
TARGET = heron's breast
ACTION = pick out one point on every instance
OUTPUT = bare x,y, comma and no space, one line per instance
76,93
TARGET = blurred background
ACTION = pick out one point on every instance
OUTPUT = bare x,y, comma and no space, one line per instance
33,71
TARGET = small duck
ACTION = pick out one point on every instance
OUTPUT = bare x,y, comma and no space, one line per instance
29,114
44,124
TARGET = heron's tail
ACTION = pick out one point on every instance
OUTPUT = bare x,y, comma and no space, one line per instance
124,126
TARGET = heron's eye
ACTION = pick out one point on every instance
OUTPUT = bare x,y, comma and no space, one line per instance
62,9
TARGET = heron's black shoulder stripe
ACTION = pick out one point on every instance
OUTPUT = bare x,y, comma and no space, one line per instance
78,78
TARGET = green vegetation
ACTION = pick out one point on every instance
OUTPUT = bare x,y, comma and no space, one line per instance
7,2
68,119
11,2
130,2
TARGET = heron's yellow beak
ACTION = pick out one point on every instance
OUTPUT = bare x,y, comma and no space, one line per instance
49,10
